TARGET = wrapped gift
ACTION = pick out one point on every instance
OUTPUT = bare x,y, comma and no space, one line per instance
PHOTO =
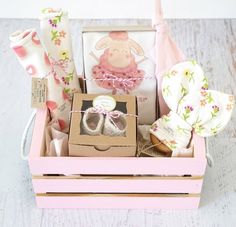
122,62
103,125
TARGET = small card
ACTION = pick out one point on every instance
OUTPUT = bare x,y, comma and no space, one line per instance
38,92
105,102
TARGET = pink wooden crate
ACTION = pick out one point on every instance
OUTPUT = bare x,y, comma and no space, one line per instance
119,182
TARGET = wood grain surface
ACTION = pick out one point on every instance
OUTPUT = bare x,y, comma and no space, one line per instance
211,42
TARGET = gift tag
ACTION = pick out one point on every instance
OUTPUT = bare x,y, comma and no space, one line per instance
105,102
38,92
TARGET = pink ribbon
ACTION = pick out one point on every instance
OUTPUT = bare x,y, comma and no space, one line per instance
127,83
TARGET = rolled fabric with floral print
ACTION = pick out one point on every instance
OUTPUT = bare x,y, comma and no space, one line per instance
34,59
57,40
193,109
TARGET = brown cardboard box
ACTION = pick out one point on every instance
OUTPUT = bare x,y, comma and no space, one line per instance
101,145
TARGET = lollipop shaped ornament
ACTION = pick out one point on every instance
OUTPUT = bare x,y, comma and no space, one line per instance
193,109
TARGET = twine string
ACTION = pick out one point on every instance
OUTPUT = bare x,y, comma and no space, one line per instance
126,83
143,149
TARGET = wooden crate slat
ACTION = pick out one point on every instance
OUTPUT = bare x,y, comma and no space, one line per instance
122,185
132,165
118,202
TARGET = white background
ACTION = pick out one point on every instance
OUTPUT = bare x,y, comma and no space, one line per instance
121,8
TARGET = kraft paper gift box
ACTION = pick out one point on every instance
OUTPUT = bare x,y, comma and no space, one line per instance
81,144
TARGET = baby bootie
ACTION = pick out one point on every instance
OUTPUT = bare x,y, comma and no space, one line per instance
92,122
115,124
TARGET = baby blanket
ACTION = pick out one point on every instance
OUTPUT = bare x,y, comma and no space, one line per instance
34,59
193,107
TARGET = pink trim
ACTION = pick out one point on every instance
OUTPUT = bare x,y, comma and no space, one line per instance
118,202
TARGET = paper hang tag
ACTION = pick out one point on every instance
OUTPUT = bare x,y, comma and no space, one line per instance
38,92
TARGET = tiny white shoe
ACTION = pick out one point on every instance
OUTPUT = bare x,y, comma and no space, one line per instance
115,124
92,123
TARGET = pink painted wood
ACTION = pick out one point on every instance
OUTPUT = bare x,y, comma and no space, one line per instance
118,202
40,165
112,186
114,166
119,165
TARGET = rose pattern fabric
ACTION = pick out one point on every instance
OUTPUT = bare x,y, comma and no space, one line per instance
34,59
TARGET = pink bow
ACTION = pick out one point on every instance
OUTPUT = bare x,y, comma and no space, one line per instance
127,83
111,114
62,64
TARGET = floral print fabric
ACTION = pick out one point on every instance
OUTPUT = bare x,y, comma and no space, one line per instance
172,130
57,39
181,79
193,107
207,111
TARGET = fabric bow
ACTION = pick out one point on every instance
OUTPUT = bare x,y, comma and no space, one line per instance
193,108
101,110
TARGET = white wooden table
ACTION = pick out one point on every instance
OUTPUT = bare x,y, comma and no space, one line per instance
210,42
